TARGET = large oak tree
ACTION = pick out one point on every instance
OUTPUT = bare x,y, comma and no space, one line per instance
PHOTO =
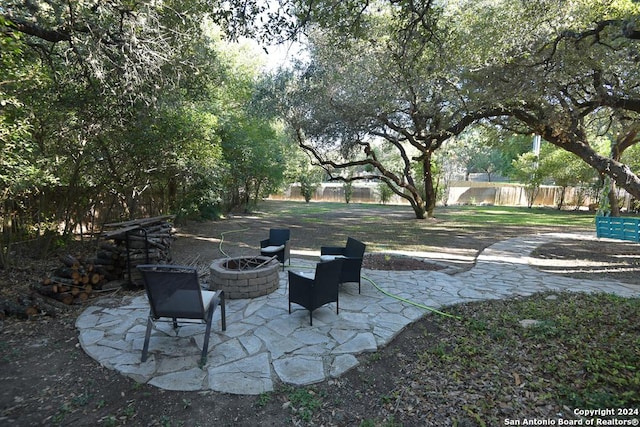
581,67
394,86
415,74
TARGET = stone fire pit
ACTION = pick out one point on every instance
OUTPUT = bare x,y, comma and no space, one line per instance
245,277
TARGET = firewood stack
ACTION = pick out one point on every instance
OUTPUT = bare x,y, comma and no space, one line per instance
135,242
74,281
125,245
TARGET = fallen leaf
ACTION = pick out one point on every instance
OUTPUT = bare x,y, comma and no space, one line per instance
517,378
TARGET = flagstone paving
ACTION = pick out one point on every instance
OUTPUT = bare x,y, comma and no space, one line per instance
265,345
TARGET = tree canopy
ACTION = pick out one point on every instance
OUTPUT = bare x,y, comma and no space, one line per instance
117,109
582,69
416,74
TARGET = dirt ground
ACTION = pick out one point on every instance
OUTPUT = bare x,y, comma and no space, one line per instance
46,378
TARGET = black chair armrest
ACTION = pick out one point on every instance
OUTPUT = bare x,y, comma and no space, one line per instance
300,289
351,268
331,250
264,243
298,278
352,261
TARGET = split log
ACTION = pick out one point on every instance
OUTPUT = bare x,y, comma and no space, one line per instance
66,272
69,261
95,278
47,306
10,308
266,262
76,276
61,280
64,297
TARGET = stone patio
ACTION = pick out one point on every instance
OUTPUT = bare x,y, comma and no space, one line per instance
265,345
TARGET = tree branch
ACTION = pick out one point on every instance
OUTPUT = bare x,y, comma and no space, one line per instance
394,182
53,36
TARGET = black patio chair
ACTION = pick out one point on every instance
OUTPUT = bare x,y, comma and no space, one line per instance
174,293
312,293
352,255
278,244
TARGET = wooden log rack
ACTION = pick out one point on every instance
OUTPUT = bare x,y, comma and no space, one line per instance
153,235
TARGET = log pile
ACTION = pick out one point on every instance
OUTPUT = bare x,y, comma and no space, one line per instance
26,306
74,281
135,242
124,246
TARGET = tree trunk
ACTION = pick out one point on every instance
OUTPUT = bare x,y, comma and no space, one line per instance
575,141
620,145
419,210
172,194
614,207
563,192
411,194
430,195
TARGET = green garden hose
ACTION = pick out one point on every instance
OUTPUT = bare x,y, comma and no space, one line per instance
222,239
375,285
415,304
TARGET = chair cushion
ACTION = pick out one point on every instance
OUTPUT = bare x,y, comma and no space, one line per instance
207,298
272,249
308,274
324,258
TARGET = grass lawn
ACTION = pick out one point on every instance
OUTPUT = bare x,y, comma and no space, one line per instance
455,216
387,227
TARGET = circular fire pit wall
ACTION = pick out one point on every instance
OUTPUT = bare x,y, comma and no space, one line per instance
245,277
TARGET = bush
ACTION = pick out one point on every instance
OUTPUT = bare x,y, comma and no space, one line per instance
384,192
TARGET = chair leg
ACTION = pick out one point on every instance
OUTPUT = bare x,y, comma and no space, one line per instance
280,257
223,311
207,333
147,336
310,317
